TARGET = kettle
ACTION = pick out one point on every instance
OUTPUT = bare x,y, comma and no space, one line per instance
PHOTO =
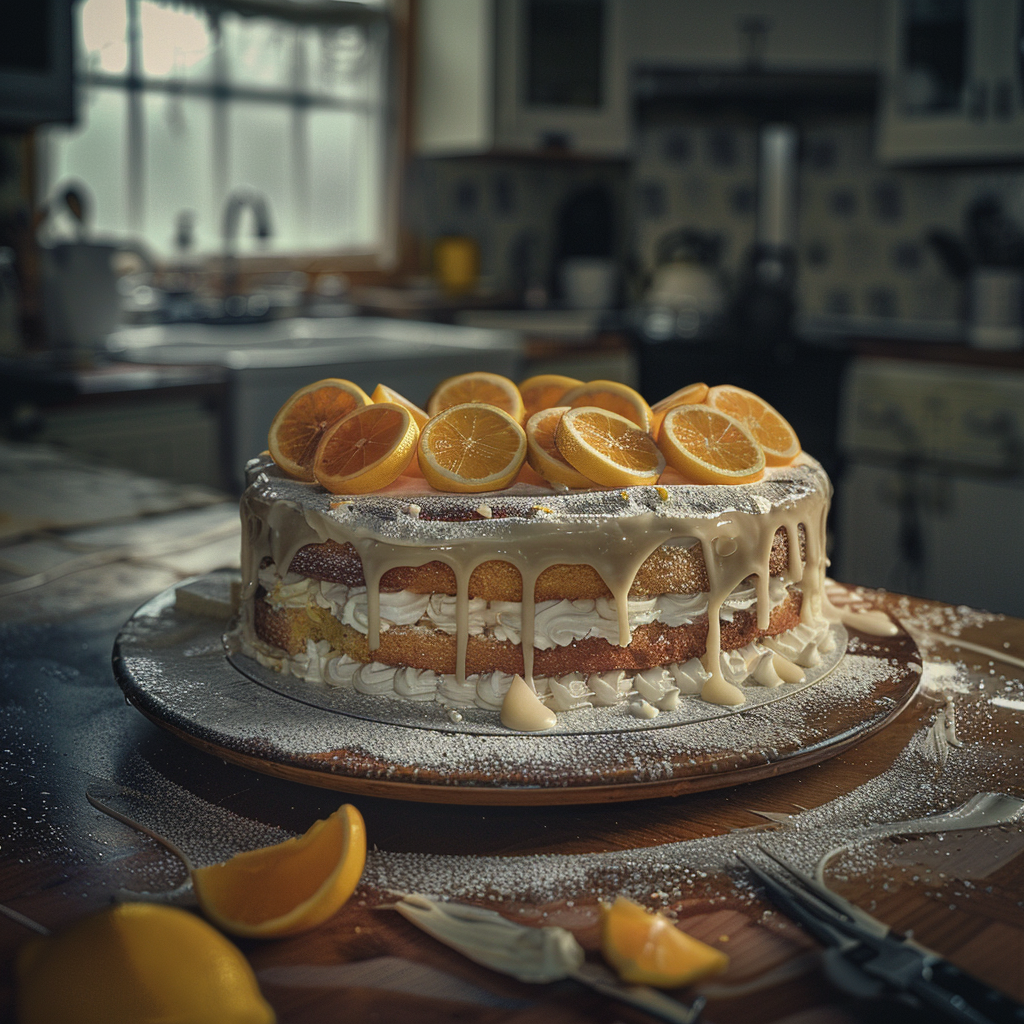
686,283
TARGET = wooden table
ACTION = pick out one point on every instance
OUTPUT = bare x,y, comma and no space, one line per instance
65,725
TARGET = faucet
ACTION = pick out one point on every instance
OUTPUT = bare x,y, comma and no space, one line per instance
237,201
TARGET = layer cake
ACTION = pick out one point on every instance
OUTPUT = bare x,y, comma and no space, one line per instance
635,595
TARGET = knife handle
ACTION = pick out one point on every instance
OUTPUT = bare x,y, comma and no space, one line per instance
963,997
656,1003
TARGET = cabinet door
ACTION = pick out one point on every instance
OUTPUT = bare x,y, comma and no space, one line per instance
561,76
454,67
953,83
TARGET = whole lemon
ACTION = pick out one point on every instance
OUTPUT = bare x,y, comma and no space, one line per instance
138,963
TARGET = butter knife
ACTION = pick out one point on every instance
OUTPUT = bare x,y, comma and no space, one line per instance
533,955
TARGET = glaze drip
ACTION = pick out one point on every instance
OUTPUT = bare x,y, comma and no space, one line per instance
612,531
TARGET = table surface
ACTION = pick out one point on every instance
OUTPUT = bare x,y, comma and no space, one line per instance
66,727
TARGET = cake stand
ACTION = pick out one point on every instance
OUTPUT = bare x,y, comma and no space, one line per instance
175,667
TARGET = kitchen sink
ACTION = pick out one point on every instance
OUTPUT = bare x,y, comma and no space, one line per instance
281,342
266,362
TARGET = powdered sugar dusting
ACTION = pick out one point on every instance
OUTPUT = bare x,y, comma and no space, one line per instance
669,875
454,517
207,697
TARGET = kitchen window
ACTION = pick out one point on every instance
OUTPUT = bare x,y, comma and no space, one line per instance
186,104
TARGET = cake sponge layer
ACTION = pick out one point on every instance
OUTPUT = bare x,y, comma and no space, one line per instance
671,569
651,645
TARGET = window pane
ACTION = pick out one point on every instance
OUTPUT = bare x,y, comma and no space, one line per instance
258,52
103,34
179,170
320,168
259,147
94,152
341,62
346,177
176,43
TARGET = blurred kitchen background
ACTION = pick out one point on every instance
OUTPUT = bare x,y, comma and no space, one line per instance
205,204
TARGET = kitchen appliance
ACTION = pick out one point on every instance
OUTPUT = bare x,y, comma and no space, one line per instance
766,297
932,499
989,262
686,296
267,362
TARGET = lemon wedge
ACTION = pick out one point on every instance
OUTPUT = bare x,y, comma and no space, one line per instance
648,949
290,887
137,963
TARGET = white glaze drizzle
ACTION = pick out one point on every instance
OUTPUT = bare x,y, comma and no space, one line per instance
736,544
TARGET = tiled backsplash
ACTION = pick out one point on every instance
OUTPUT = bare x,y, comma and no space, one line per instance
861,226
510,207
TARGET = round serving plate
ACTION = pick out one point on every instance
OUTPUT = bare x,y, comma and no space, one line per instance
173,665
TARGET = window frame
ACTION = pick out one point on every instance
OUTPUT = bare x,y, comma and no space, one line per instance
372,265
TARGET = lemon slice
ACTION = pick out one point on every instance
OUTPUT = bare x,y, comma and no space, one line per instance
613,396
299,424
137,963
607,448
382,393
545,391
770,429
708,447
471,448
542,453
367,449
288,888
692,394
648,949
478,387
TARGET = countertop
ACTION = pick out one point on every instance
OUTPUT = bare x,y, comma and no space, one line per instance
66,726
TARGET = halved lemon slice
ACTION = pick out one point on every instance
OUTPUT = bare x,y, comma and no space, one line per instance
288,888
770,429
648,949
470,448
478,387
542,453
613,396
300,423
382,393
367,449
608,448
692,394
545,391
708,447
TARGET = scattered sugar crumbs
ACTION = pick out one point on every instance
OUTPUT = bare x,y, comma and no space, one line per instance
918,783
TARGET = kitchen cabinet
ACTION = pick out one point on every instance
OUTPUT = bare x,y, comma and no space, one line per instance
953,86
521,76
169,423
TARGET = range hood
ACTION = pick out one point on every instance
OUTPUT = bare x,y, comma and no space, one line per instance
756,92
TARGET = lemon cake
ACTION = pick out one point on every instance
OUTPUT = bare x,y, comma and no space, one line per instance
633,595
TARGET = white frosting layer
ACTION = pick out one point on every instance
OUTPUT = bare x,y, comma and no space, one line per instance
659,687
556,624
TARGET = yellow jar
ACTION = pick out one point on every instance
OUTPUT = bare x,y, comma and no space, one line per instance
456,264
